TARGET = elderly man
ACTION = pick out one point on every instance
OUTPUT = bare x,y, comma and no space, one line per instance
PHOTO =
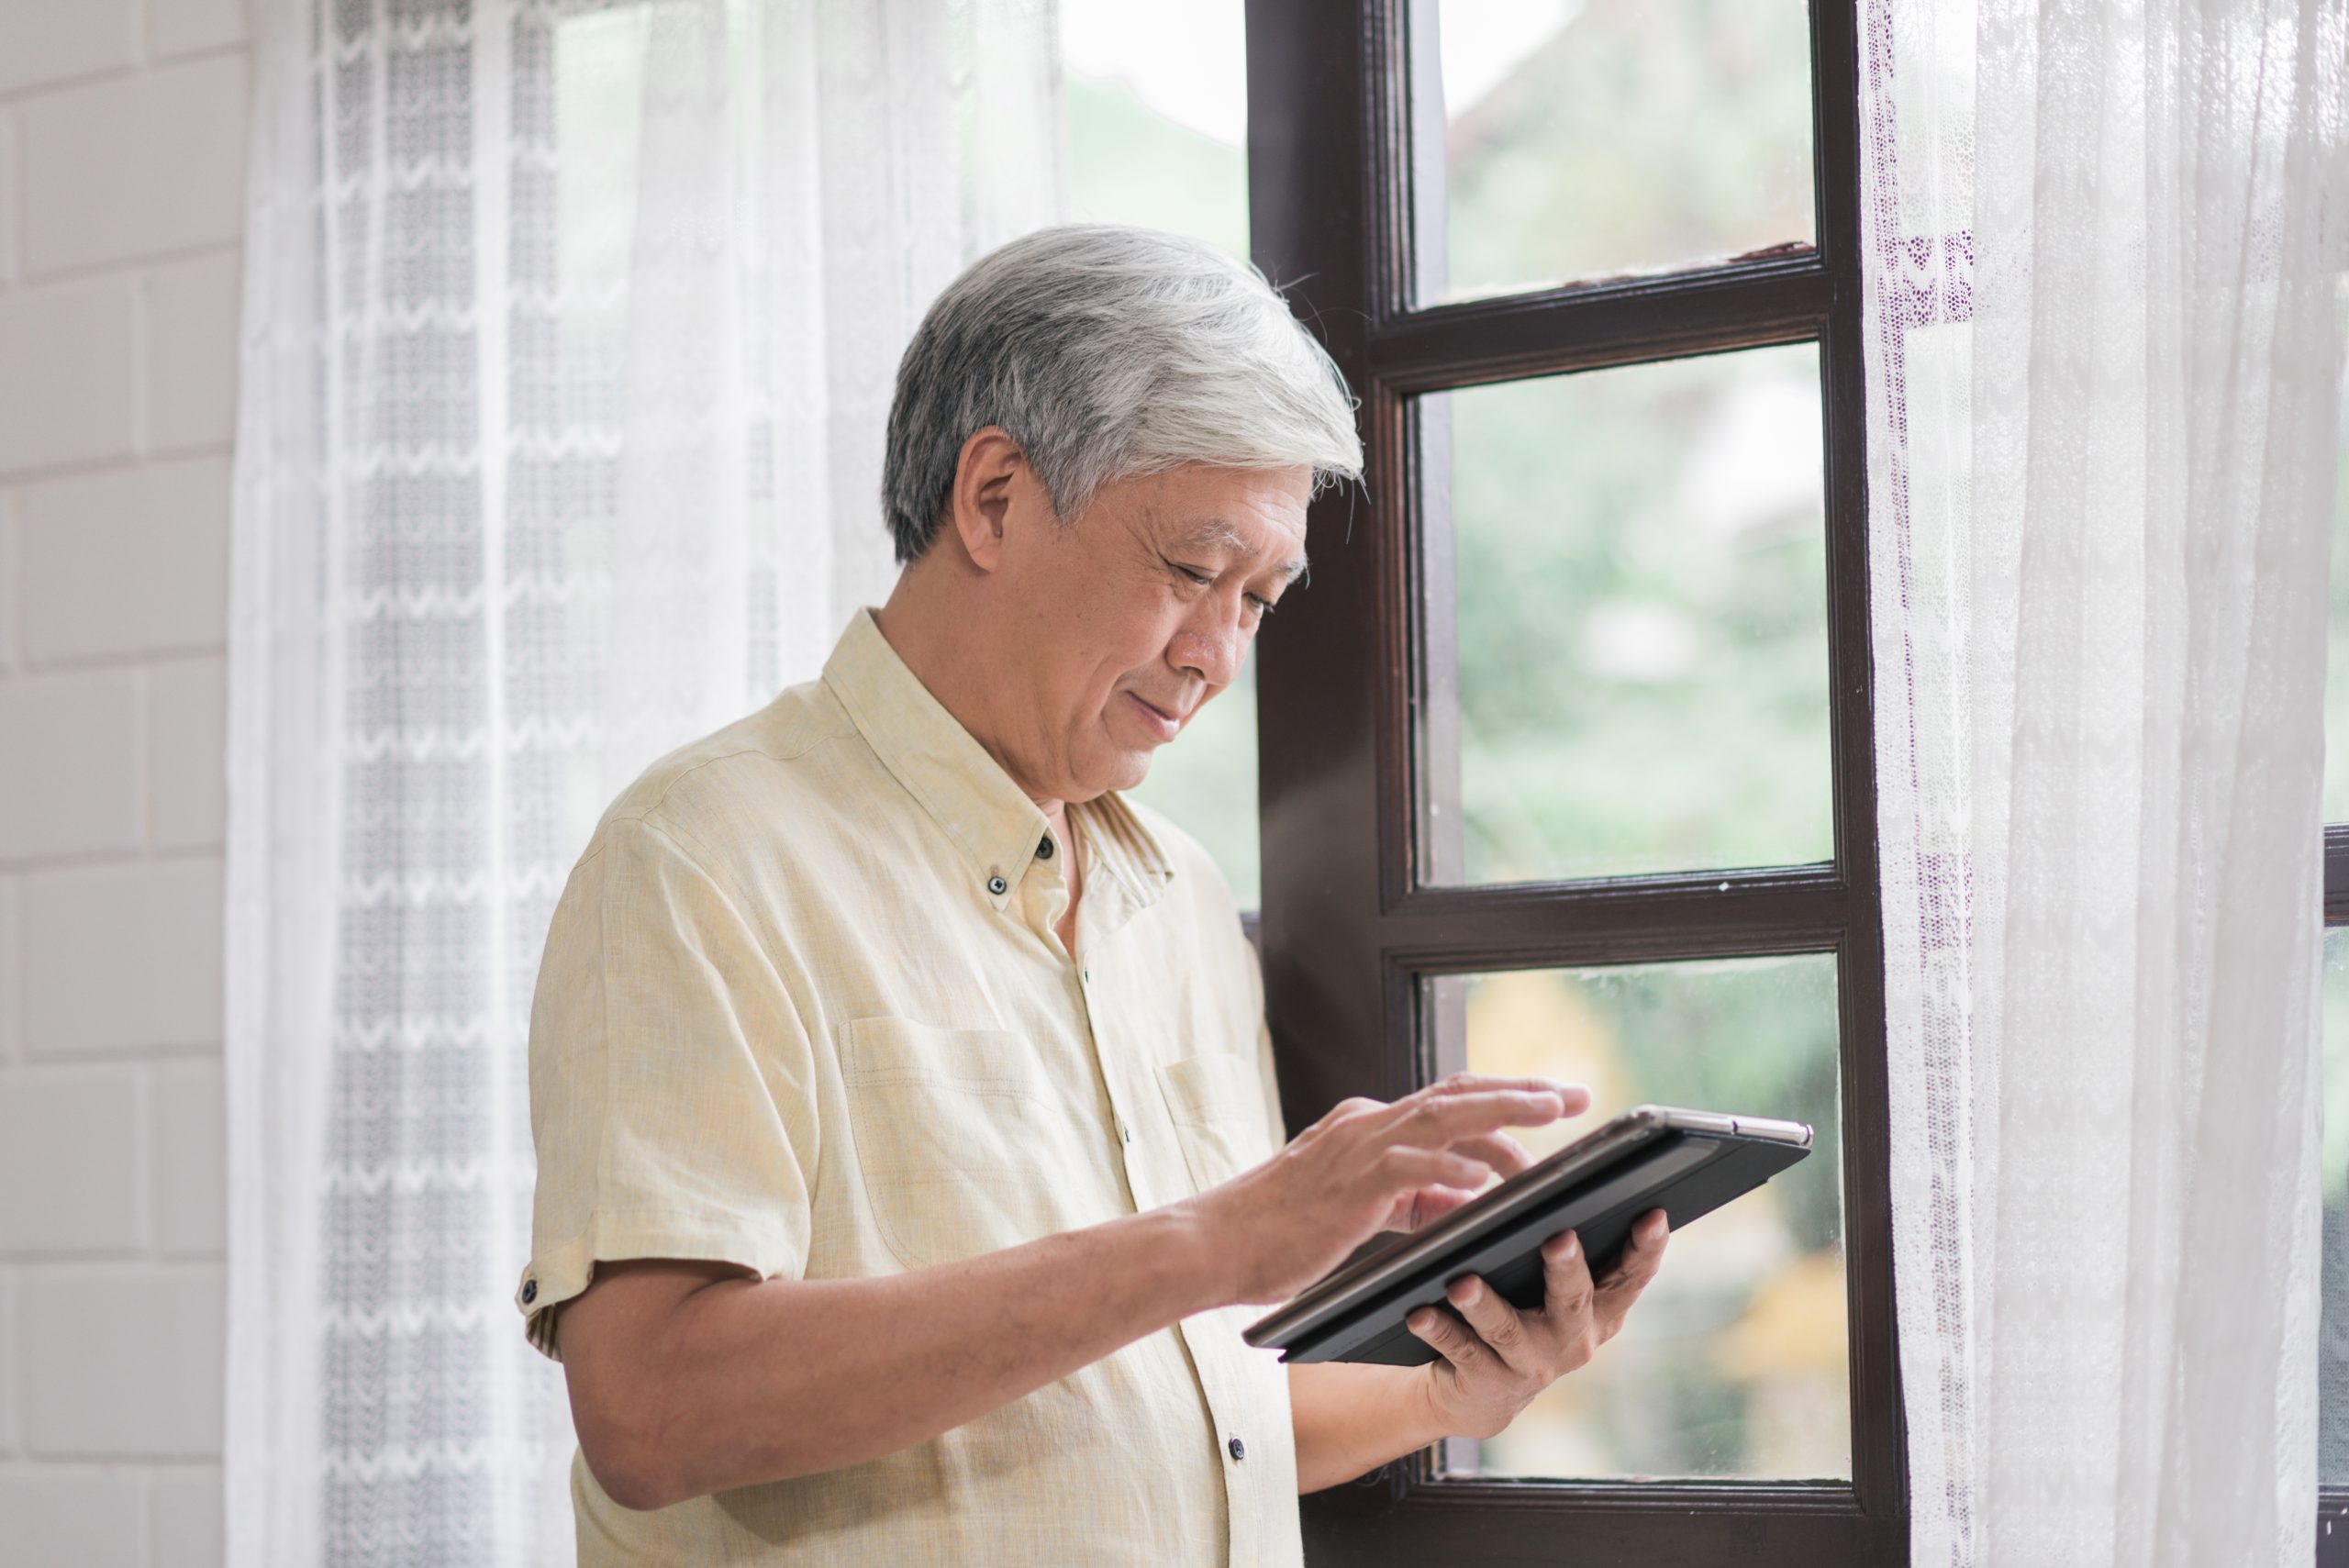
909,1154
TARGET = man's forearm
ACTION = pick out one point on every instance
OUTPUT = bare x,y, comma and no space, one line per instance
1352,1418
759,1381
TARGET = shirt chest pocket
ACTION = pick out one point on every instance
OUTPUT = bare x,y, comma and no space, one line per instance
964,1143
1217,1103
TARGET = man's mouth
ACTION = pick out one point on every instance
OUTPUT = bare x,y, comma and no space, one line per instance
1165,724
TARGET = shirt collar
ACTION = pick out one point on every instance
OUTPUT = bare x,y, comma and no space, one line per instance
965,790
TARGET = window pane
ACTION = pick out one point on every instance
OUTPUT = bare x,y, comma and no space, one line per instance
1157,114
1732,1363
1640,621
1589,138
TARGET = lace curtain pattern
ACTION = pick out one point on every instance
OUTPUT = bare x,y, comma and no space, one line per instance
569,330
2102,360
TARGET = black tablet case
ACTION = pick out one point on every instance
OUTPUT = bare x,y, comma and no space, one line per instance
1600,1210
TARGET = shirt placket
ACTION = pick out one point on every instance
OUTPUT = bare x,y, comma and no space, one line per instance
1145,1186
1152,1160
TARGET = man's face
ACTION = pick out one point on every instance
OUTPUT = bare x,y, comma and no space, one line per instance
1142,609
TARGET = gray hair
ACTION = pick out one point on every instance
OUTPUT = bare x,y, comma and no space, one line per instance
1108,351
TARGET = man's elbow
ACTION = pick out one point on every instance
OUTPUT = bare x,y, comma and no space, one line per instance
612,1412
642,1464
630,1479
653,1431
624,1461
618,1339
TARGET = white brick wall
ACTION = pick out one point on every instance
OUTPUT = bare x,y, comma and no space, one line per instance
122,147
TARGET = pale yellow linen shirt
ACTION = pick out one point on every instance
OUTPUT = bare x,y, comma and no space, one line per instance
802,1008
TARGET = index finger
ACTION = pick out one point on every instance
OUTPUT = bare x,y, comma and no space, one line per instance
1575,1096
1438,1122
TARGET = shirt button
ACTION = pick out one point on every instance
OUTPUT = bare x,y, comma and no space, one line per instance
1044,848
1125,1132
1087,976
1238,1449
530,1291
995,885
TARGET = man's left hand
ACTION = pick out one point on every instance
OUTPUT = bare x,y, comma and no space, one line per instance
1492,1358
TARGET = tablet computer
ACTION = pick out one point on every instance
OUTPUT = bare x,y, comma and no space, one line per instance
1683,1161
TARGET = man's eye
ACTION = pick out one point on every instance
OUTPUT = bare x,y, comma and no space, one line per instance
1263,605
1201,578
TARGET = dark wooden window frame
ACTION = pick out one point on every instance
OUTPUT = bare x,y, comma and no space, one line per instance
1357,910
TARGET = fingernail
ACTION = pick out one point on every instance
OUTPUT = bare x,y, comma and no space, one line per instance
1420,1322
1574,1245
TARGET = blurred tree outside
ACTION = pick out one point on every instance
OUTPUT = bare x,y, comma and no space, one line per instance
1631,136
1734,1361
1641,618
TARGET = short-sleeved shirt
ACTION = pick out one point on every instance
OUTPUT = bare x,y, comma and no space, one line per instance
803,1008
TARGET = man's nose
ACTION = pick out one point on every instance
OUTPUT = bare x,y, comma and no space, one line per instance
1211,647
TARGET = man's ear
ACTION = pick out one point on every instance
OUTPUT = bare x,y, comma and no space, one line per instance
982,493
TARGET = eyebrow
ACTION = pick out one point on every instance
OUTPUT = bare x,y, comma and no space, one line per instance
1217,534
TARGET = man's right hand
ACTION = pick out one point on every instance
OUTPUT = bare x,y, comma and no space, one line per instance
1368,1166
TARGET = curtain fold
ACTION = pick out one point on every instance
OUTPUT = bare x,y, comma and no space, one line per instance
569,330
2103,359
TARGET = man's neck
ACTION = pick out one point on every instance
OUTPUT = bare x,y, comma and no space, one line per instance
917,623
908,622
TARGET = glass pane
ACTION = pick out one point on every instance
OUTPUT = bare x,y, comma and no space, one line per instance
1640,621
2333,1338
1584,139
1157,115
1732,1363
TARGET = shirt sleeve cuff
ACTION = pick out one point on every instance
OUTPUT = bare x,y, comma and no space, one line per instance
557,1273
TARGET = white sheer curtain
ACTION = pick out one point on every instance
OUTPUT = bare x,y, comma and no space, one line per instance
2103,361
569,333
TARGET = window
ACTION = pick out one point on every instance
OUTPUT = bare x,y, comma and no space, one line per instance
1566,754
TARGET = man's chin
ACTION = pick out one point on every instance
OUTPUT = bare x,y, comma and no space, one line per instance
1125,770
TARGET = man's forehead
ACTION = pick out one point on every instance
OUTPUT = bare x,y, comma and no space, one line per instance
1220,533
